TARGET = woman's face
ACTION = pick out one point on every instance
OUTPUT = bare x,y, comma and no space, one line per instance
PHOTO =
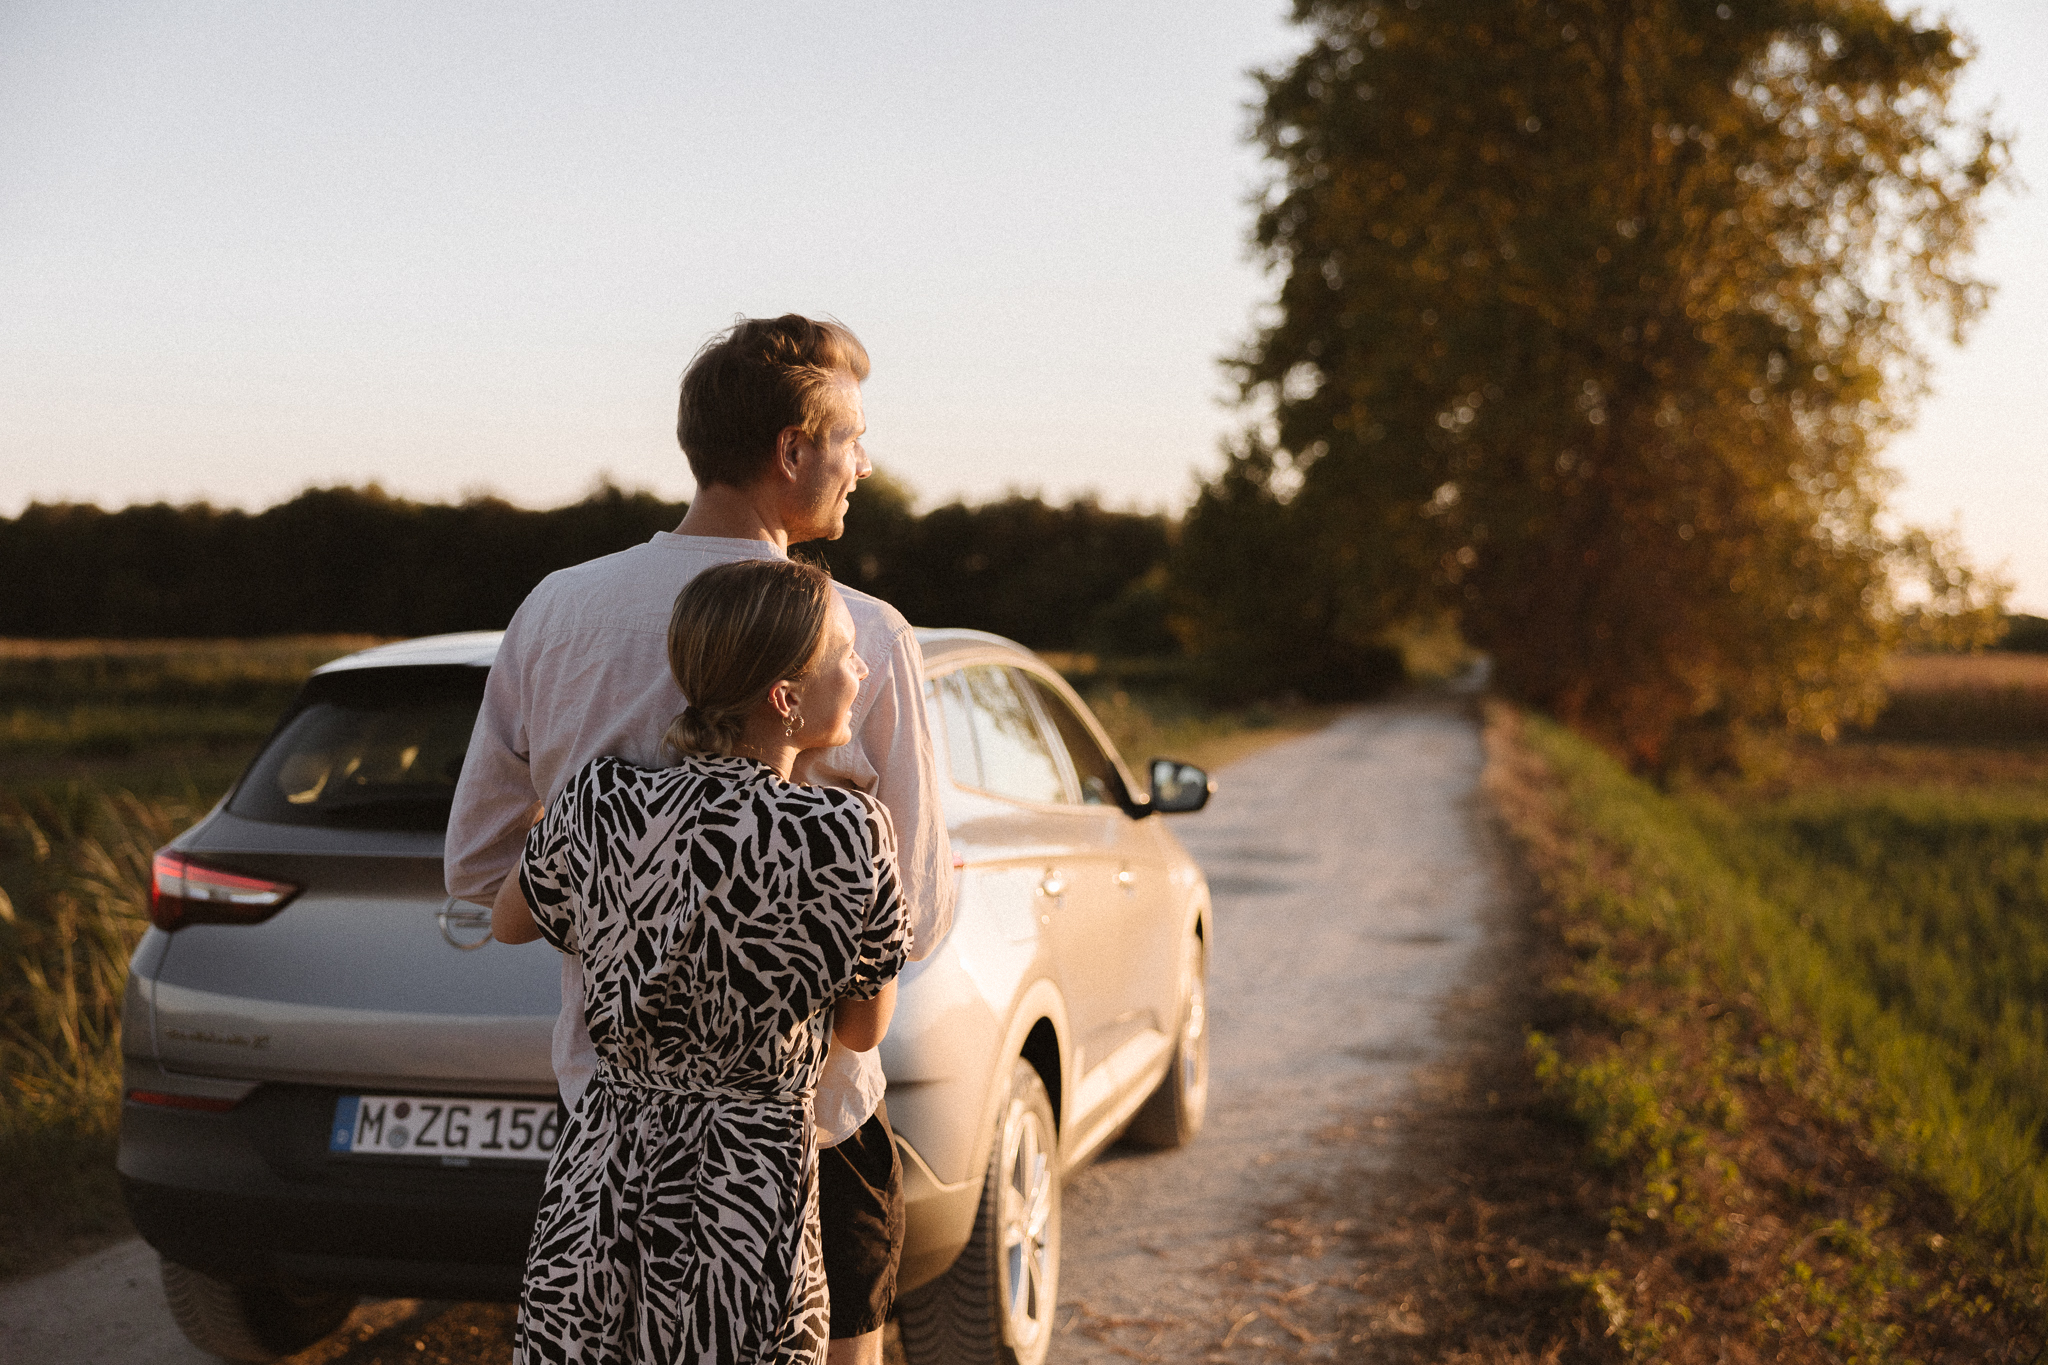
825,694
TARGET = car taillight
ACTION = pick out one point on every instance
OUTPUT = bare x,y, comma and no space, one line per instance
183,892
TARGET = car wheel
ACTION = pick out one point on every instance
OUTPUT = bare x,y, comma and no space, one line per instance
1173,1114
995,1306
250,1322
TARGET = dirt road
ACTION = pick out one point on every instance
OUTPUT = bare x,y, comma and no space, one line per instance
1353,883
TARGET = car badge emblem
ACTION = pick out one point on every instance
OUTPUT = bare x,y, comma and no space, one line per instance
464,925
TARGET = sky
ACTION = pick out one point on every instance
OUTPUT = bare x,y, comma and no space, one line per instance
463,248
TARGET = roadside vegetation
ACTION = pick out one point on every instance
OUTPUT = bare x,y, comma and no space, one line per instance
1784,1093
107,750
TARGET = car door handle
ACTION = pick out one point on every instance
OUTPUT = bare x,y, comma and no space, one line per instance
1053,884
464,925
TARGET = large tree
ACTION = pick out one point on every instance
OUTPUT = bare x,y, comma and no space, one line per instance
1593,316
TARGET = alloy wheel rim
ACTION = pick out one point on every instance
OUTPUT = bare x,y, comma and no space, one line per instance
1027,1197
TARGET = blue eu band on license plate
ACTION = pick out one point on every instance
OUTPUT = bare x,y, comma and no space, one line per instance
445,1126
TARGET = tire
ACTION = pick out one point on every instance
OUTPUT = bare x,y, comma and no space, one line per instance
995,1306
250,1322
1172,1116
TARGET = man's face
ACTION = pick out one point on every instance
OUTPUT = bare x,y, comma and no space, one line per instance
827,471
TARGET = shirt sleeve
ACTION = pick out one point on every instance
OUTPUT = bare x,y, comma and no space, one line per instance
885,935
494,797
892,758
552,868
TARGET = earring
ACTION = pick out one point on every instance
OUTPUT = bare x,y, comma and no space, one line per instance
792,725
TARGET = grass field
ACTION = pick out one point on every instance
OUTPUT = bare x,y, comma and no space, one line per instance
1802,1024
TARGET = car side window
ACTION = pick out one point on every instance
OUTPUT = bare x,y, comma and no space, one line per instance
963,759
1016,760
1092,767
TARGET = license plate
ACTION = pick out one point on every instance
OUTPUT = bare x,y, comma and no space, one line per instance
456,1130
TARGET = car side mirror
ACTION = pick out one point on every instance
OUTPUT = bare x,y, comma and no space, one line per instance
1179,787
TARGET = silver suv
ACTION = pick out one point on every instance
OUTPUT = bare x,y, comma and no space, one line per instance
337,1084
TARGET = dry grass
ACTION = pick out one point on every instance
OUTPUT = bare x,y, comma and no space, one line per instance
1916,673
330,646
1151,710
77,870
1895,764
1144,728
1992,698
108,748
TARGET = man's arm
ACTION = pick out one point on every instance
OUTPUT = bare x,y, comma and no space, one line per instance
892,758
494,798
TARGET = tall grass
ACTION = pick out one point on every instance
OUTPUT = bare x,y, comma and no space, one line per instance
64,947
76,868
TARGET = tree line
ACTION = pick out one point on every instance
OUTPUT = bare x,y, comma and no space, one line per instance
360,561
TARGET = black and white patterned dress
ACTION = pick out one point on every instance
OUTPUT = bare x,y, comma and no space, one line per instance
718,912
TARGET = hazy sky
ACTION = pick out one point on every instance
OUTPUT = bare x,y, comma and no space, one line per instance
459,247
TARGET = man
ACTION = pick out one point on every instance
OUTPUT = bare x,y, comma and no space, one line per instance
771,423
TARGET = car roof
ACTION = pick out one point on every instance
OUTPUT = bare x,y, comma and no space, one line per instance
480,647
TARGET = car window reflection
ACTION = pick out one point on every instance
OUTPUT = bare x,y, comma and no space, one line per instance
1092,767
1016,760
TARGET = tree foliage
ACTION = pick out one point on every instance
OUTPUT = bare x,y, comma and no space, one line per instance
361,561
1593,316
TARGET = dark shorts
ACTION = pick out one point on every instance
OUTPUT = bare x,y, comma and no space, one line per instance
860,1205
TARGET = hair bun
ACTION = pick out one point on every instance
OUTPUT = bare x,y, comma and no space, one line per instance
697,732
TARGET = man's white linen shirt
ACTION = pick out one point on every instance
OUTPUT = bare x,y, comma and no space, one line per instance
583,672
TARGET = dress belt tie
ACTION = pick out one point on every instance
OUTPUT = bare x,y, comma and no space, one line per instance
636,1079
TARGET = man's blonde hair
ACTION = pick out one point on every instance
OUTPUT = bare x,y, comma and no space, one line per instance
755,380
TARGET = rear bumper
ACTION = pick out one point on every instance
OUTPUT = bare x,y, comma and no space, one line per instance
252,1196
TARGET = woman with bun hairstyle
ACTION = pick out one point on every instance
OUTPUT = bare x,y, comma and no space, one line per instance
729,923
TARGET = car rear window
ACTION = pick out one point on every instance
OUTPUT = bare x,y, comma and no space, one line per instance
367,748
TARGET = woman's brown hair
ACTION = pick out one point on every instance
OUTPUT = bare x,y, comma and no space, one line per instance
737,630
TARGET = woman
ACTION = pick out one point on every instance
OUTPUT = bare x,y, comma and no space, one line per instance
726,920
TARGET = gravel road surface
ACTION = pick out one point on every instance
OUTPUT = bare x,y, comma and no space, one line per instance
1354,880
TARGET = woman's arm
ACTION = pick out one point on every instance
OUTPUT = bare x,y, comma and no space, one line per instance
511,916
861,1024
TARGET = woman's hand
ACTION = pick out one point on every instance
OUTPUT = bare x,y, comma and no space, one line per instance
861,1024
511,916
